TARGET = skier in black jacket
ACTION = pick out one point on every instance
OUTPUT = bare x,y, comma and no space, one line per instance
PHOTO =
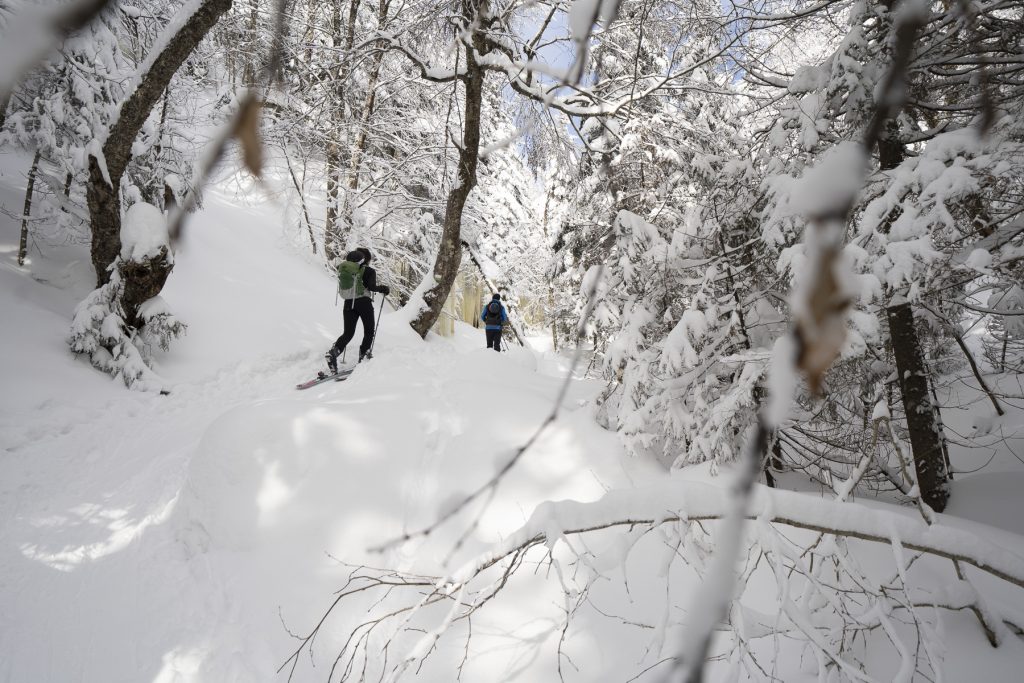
356,279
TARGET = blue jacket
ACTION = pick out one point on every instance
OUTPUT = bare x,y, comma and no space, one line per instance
483,316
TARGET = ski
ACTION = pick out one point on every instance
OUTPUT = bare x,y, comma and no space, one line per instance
325,377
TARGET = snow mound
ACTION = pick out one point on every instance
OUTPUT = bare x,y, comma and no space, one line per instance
143,232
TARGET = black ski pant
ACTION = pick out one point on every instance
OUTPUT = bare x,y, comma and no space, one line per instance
354,310
494,339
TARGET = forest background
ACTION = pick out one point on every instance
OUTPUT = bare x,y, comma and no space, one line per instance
780,242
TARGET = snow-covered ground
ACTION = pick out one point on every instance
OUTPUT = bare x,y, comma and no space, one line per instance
180,537
156,538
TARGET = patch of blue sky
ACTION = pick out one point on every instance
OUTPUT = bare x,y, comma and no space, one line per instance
555,51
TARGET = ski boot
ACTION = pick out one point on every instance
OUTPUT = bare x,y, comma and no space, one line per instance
332,360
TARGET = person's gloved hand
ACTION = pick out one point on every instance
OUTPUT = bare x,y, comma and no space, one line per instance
385,290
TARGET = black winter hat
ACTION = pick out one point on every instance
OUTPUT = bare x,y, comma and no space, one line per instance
366,253
496,297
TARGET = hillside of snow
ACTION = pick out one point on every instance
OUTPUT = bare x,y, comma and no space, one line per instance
156,538
182,538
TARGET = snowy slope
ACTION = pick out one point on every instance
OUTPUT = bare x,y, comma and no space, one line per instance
181,537
155,538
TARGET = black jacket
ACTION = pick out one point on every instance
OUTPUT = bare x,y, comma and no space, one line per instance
370,280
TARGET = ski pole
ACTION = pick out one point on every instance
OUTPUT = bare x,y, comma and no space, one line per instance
377,326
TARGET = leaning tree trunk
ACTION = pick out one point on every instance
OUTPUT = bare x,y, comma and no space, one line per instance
449,253
300,189
27,210
925,436
103,191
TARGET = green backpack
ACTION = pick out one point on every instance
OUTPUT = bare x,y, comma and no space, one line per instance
350,280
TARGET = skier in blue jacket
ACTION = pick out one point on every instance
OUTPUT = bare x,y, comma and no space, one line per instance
493,317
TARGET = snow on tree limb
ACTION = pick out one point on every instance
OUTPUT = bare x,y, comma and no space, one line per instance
698,501
671,505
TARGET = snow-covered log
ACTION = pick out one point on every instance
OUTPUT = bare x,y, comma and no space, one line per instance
694,501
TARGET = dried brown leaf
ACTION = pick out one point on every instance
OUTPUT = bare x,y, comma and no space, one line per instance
247,132
821,326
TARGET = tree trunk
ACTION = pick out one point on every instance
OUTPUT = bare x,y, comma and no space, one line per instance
449,253
364,121
104,197
333,239
308,34
371,100
350,36
773,463
105,220
891,152
925,440
360,147
157,186
27,211
143,280
334,228
5,101
301,190
552,311
252,41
